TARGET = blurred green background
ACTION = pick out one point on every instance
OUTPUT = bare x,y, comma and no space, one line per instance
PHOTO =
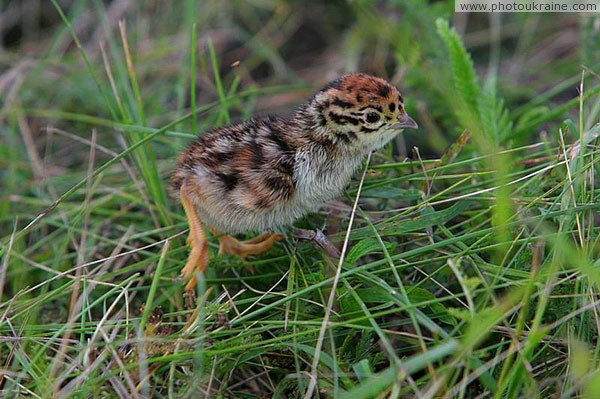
472,270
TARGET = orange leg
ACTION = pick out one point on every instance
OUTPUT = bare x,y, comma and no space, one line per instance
198,258
261,238
255,246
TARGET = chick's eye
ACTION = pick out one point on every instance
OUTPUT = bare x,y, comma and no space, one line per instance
372,117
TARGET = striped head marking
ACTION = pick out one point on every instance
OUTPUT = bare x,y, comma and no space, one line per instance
356,109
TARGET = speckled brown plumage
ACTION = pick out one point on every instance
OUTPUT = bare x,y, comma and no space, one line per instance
251,163
263,174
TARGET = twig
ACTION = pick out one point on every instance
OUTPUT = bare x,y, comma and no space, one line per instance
318,238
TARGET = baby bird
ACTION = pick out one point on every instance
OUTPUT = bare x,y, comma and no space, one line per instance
261,175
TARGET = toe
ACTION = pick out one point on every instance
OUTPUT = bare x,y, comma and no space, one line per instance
191,284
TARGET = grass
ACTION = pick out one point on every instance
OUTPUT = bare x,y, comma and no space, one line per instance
470,267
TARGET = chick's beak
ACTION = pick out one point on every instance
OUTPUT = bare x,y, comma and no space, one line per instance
405,121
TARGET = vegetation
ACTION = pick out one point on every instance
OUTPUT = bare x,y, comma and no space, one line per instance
471,267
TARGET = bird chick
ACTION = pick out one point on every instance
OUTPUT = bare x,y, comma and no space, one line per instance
262,175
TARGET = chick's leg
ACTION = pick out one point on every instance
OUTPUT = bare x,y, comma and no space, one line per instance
255,246
260,238
198,257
